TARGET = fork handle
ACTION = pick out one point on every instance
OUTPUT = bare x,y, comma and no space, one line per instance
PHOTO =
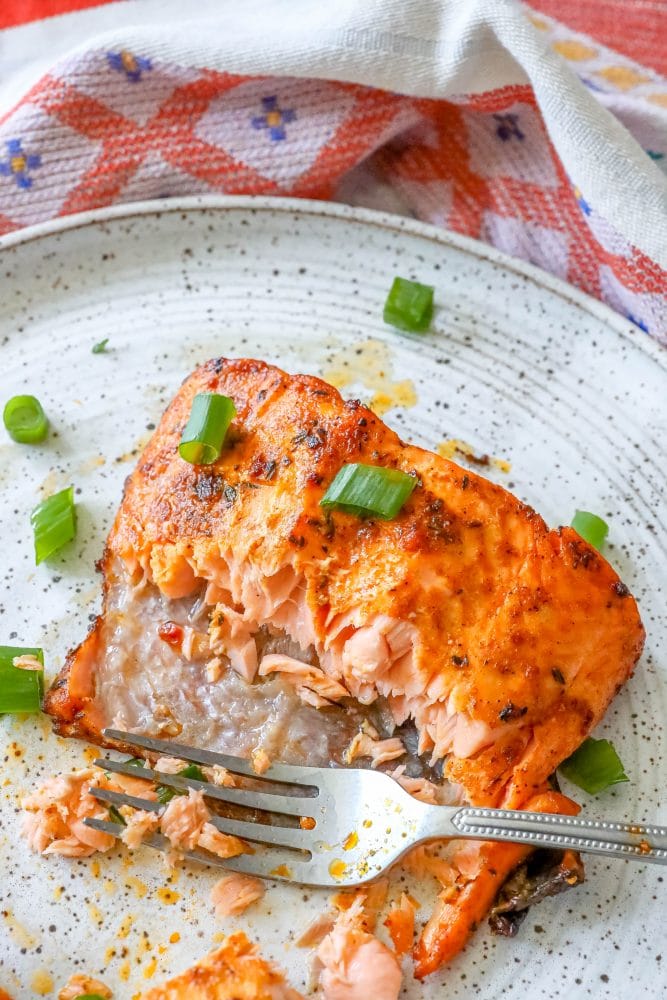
596,836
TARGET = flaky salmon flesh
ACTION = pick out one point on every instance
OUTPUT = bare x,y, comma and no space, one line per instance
462,644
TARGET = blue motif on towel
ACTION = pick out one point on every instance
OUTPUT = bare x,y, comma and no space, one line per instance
508,127
19,164
129,64
274,118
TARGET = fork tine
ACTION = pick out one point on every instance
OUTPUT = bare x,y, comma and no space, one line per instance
158,843
284,773
290,805
272,864
121,799
260,833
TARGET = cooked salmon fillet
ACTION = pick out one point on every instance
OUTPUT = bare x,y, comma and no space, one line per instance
233,972
241,616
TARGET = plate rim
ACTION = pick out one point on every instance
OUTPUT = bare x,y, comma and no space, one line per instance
656,351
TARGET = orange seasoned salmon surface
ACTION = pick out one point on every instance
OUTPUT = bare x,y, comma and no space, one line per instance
235,971
462,645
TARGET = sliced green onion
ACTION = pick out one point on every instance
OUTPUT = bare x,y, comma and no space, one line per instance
89,996
101,348
135,762
205,431
20,690
116,817
194,772
53,523
165,794
25,419
369,490
591,528
409,306
594,766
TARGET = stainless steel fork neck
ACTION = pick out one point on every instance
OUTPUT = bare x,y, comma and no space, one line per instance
632,841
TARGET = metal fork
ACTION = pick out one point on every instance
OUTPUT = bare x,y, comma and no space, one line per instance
364,822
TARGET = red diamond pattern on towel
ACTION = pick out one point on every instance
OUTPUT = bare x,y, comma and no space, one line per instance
635,305
64,157
104,77
155,178
518,126
277,127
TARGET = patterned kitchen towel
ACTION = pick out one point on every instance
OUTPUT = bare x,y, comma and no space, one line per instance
485,117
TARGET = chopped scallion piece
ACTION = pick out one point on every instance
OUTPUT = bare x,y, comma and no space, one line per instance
25,419
53,523
591,528
135,762
89,996
409,306
367,490
165,794
594,766
204,434
101,348
20,689
116,817
194,772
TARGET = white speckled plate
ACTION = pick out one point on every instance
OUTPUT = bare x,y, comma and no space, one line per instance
518,365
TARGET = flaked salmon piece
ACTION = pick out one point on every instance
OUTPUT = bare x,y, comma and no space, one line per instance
400,922
54,814
371,897
140,787
183,820
379,751
312,685
223,844
260,760
233,894
138,825
317,930
53,821
235,971
169,765
219,776
355,964
79,985
420,788
500,641
27,661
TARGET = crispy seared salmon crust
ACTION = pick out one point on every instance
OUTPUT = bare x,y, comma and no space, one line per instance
502,640
233,972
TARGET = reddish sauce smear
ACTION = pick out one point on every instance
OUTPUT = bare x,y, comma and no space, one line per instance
170,632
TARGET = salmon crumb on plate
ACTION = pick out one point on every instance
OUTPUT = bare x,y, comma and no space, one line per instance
460,644
81,985
235,971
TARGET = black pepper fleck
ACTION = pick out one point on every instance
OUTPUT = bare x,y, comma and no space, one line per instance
511,711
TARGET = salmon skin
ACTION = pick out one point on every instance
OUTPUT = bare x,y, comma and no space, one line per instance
240,615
